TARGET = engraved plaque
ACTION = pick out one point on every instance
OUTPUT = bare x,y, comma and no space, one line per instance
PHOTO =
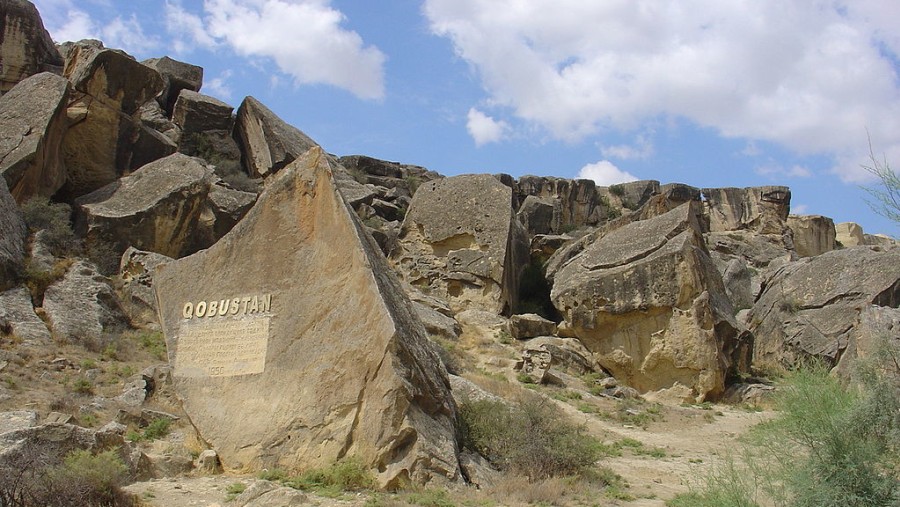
222,348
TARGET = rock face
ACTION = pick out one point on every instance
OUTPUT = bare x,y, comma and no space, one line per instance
176,76
258,332
530,325
550,205
82,306
13,234
156,208
461,242
648,302
18,318
111,88
849,234
196,113
813,234
760,209
136,273
811,307
26,48
33,116
268,143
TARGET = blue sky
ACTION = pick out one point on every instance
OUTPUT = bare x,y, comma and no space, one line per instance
704,92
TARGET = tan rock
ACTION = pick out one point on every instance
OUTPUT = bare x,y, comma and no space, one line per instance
849,234
461,242
267,142
13,235
813,234
314,356
82,306
26,48
33,123
761,209
648,302
530,325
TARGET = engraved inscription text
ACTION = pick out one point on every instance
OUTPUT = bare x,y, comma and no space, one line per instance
222,348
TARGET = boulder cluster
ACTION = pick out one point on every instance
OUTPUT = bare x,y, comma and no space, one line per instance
665,288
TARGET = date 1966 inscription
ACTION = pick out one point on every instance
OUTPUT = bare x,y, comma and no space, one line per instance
222,348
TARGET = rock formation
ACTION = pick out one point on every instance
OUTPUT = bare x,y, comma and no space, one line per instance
267,142
461,242
811,307
26,48
82,306
812,234
33,115
12,238
760,209
647,300
290,379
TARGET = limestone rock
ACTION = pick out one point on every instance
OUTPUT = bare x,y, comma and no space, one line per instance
875,328
538,215
13,234
567,354
550,205
849,234
461,242
535,365
150,146
761,209
228,207
81,306
630,195
465,391
530,325
402,180
196,113
208,462
813,234
176,76
17,317
33,119
648,302
156,208
267,142
112,86
318,355
26,48
437,324
810,308
136,274
17,420
745,259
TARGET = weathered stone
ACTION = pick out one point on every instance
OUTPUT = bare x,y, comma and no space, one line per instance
436,323
265,494
13,234
228,207
33,119
196,113
557,204
268,143
880,239
99,144
26,48
530,325
156,208
310,382
466,391
567,354
543,246
648,302
812,306
813,234
154,117
630,195
387,210
17,317
535,365
136,274
537,215
208,462
17,420
355,193
401,179
461,241
761,209
849,234
150,146
176,76
876,330
478,471
738,280
81,306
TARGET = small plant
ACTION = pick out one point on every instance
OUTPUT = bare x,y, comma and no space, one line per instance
525,378
617,190
346,475
152,341
88,364
504,337
54,219
274,475
158,428
89,420
233,490
82,385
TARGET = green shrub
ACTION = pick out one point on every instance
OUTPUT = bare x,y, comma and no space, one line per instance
529,437
55,219
233,490
346,475
83,385
157,429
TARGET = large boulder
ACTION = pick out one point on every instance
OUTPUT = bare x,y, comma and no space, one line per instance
810,308
136,270
17,317
110,88
461,242
318,355
552,205
33,123
647,300
176,76
196,114
760,209
849,234
267,142
26,48
745,259
156,208
13,234
813,234
82,306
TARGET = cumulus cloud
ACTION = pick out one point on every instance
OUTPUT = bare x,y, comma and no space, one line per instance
799,209
304,38
641,149
776,171
218,86
485,129
129,35
810,76
604,173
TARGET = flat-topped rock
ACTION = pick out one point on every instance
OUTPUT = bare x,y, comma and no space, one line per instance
318,356
26,48
176,76
812,234
761,209
461,241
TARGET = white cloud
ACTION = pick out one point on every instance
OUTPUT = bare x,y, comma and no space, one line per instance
77,25
303,37
129,35
604,173
776,171
641,149
809,76
485,129
187,29
218,86
799,209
